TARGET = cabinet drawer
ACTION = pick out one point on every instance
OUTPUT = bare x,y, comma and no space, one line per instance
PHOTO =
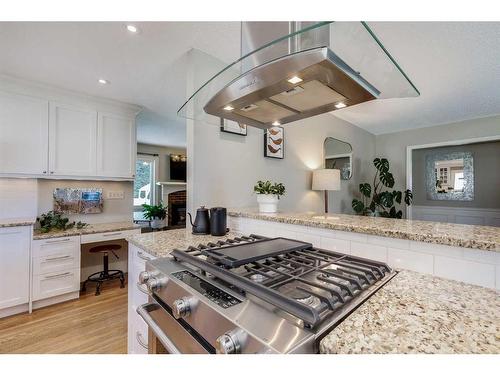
138,331
56,263
98,237
55,283
56,246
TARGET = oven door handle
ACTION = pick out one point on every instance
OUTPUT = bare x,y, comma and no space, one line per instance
143,311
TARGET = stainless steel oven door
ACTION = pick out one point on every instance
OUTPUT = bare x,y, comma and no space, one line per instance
167,335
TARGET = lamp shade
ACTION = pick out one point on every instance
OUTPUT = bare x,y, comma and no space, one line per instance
326,179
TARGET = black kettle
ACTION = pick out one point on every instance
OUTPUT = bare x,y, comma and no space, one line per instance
201,223
218,221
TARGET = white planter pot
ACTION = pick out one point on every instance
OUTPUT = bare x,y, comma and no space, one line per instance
158,223
268,203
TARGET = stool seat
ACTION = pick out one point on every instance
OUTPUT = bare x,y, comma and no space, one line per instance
106,274
104,248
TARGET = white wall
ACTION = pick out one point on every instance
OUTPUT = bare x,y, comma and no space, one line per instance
18,198
227,166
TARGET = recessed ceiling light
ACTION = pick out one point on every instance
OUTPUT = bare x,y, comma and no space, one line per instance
340,105
103,81
295,80
276,123
228,108
132,28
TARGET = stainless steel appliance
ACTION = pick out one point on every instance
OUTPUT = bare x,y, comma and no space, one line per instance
253,295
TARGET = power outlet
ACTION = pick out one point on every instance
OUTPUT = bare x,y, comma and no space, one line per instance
115,195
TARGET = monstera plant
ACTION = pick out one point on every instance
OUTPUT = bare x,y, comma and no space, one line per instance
377,200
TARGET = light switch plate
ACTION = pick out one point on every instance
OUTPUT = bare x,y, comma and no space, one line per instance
115,195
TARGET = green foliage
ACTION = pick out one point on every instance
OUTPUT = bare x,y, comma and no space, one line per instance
267,187
54,221
154,211
383,203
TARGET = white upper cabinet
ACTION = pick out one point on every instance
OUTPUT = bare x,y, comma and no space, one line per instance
116,146
23,134
72,140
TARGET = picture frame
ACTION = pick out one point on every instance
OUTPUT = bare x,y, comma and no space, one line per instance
274,142
233,127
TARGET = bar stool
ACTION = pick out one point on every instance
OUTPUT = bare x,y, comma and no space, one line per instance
106,274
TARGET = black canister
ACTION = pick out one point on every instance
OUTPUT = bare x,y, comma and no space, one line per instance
218,221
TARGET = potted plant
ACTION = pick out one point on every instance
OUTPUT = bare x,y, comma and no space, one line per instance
155,213
383,203
268,195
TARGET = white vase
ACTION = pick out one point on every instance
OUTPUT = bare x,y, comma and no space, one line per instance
268,203
158,223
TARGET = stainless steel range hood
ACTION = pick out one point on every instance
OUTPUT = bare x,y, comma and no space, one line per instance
290,88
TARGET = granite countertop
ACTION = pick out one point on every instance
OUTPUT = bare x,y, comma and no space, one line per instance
90,229
4,223
417,313
160,244
470,236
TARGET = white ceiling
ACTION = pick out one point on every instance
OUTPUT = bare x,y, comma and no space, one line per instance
146,68
455,66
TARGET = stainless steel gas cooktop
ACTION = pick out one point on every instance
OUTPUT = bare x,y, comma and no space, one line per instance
254,295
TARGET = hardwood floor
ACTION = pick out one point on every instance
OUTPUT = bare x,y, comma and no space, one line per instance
91,324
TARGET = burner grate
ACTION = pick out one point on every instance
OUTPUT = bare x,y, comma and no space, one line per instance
293,281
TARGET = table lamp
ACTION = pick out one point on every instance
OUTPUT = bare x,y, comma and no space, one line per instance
326,179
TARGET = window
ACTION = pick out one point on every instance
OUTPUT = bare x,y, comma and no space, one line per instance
145,180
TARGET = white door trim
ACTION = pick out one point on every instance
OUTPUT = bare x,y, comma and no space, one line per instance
409,149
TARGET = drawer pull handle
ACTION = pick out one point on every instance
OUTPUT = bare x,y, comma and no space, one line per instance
57,258
140,255
138,337
63,240
57,276
111,234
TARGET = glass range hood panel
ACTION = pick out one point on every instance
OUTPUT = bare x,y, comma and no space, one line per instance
353,42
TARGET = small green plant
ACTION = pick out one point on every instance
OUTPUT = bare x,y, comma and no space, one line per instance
154,211
267,187
54,221
382,202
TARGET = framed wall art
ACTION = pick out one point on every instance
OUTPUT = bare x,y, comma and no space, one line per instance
78,201
233,127
274,143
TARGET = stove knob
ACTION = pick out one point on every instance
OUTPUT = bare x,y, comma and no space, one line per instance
144,276
228,343
153,284
182,308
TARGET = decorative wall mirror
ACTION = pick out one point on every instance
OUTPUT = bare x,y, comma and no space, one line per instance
338,155
450,176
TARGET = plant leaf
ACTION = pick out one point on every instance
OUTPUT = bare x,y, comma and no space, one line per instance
387,179
392,212
397,195
358,206
381,164
365,189
386,199
408,197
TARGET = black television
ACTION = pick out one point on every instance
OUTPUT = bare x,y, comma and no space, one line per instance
178,168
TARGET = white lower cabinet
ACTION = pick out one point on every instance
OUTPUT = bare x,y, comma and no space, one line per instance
137,329
56,267
14,266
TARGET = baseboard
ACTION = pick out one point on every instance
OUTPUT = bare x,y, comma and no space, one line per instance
56,299
14,310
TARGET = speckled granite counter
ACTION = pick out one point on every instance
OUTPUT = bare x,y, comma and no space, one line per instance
160,244
470,236
417,313
4,223
90,229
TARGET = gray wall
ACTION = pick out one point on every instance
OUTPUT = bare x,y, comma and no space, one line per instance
393,145
227,166
486,175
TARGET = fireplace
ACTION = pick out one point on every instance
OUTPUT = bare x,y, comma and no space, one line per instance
177,209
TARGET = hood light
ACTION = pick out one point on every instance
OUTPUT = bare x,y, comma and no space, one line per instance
295,80
133,29
103,81
340,105
228,108
276,123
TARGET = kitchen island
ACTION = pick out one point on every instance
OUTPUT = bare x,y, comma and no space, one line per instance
468,253
413,313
